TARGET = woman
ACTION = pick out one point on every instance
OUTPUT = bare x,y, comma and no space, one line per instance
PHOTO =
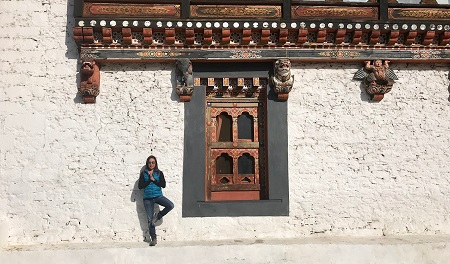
152,181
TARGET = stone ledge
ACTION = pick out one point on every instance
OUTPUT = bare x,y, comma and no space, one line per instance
348,250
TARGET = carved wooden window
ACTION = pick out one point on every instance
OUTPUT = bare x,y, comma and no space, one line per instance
238,167
235,156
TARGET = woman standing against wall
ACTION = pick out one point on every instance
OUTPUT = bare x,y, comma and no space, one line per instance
152,181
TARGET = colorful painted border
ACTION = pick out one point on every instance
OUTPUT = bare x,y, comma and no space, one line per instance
235,11
130,10
419,14
334,12
266,54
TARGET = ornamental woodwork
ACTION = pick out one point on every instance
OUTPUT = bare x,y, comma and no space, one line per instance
233,185
162,38
185,80
378,78
130,10
90,81
282,79
131,31
233,87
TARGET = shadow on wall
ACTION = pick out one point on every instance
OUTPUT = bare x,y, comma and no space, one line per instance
173,80
364,95
136,197
72,49
449,87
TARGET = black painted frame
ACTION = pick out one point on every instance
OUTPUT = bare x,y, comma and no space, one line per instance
194,203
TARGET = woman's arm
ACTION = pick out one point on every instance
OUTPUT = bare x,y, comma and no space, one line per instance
142,183
162,181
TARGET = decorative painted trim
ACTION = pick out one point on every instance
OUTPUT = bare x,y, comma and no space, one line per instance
158,54
302,12
89,54
245,54
340,54
419,14
130,10
235,11
427,54
307,53
90,81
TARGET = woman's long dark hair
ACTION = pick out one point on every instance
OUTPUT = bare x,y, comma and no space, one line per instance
156,162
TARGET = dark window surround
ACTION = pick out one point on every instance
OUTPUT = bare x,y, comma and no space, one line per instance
194,204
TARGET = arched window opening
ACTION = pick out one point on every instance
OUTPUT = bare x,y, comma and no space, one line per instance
246,164
245,126
224,164
224,127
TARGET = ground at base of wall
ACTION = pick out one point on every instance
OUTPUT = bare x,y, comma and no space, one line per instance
348,250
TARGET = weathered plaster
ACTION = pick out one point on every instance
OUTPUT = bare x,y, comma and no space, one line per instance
68,170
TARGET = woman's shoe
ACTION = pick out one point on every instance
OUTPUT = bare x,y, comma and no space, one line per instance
154,241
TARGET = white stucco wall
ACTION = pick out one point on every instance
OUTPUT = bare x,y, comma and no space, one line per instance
68,170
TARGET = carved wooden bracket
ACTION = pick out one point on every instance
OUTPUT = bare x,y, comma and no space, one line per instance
237,87
90,81
282,79
185,80
378,78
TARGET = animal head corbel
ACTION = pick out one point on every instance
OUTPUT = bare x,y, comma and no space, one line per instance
89,81
282,79
185,79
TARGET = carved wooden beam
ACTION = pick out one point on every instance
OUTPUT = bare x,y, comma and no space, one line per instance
374,37
411,37
321,36
283,35
428,38
302,36
393,37
265,36
445,39
169,36
83,35
107,35
126,36
357,35
207,37
225,36
147,36
246,36
190,36
340,36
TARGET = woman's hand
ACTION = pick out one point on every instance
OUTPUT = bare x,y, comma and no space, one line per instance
151,176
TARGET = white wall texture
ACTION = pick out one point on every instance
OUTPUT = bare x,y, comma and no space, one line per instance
68,170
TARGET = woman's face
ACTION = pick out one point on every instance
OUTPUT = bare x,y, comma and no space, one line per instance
151,163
